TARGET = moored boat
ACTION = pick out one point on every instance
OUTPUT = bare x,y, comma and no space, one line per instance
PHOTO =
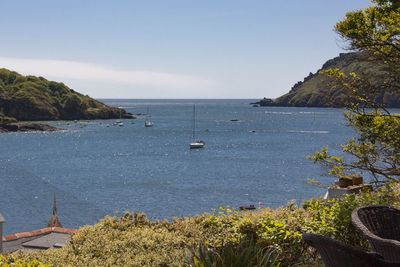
250,207
196,143
148,122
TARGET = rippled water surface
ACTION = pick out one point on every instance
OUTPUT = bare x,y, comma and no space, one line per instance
95,168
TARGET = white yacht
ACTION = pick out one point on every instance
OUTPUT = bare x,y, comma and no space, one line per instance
148,122
195,143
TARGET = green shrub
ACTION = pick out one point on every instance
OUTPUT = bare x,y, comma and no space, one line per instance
15,261
133,240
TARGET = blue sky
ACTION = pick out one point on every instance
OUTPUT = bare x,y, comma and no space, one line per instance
172,48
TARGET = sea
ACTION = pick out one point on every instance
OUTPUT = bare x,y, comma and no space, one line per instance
252,155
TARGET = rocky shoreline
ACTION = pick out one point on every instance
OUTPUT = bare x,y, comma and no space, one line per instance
26,127
265,102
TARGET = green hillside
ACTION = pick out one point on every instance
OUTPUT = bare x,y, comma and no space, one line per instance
316,91
30,98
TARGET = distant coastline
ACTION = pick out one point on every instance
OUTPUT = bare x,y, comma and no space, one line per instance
265,102
31,98
316,89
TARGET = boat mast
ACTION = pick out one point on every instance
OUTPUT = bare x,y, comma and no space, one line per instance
148,114
194,121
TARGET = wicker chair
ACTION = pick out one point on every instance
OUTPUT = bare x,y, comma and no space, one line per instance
337,254
381,226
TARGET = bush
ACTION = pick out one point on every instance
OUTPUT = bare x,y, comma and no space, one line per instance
15,261
133,240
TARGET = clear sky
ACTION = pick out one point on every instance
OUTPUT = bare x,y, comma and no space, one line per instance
172,48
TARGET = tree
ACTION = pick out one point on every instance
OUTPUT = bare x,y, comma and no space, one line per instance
375,32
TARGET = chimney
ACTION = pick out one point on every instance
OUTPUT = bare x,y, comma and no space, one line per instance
1,233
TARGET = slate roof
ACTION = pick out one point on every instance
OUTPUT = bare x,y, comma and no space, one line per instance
49,237
51,240
53,236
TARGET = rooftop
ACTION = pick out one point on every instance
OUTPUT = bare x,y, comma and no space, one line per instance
38,232
45,238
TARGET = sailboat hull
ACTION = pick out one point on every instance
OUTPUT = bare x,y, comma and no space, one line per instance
197,144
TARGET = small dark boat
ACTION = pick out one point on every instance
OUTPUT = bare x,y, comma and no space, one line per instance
251,207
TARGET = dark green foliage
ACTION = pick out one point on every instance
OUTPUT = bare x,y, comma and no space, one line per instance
35,98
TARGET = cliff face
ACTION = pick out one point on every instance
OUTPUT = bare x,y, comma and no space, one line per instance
316,91
31,98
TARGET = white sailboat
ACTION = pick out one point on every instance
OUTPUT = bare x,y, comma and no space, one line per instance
195,143
148,122
119,122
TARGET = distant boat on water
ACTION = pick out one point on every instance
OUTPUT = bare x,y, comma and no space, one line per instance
148,122
119,122
250,207
195,143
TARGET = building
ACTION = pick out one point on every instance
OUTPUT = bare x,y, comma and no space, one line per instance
53,236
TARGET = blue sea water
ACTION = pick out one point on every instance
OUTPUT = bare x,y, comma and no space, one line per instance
96,169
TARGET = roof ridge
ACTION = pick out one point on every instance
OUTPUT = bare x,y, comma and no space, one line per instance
38,232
